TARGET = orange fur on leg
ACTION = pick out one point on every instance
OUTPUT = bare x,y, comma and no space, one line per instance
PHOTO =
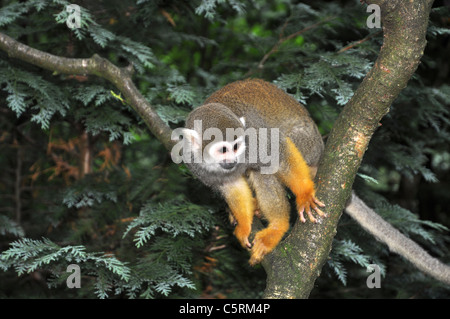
298,178
274,208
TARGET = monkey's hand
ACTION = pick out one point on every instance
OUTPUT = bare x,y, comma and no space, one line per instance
241,203
307,201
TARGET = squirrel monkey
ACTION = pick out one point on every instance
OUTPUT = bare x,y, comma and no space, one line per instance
237,164
250,119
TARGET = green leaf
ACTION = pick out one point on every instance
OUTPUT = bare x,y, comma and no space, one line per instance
174,217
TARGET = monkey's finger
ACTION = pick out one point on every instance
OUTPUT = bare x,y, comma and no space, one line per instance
318,211
244,242
318,202
310,215
233,221
300,213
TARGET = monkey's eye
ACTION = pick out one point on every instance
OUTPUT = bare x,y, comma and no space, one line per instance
235,147
223,150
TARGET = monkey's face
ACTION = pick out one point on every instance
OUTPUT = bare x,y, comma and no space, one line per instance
214,140
224,155
213,150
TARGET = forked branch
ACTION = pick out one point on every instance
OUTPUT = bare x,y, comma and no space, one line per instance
297,262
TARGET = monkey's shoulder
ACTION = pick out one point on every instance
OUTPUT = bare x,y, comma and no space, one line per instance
259,98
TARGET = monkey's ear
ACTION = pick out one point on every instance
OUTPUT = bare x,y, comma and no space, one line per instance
242,119
193,138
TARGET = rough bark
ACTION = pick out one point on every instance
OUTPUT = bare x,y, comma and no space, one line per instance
295,265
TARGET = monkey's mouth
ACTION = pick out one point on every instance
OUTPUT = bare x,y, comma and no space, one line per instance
227,166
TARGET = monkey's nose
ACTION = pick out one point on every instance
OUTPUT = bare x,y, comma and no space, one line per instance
228,165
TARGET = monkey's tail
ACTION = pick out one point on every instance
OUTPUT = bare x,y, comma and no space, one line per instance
396,241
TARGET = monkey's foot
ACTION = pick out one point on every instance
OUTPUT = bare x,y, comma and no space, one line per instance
265,241
305,195
262,245
311,204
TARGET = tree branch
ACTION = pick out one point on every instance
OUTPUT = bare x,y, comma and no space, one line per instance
119,77
353,44
296,263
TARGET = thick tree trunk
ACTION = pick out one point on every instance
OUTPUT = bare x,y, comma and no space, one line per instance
296,263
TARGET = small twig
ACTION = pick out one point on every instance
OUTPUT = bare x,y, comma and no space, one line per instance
214,248
353,44
283,39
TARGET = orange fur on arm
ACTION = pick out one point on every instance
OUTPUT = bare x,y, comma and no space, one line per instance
239,198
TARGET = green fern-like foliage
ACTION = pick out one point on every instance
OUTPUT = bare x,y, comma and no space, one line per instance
175,218
28,255
171,254
166,265
8,226
346,250
208,8
28,91
327,76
